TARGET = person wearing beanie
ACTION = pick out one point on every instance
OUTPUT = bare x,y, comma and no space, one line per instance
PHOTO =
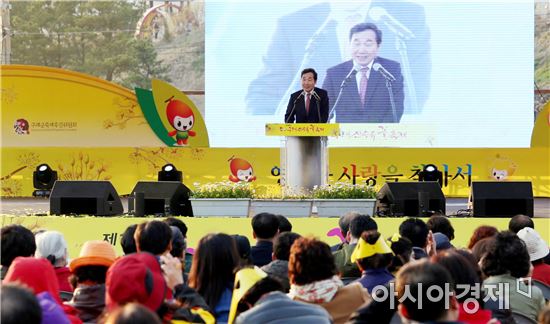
442,242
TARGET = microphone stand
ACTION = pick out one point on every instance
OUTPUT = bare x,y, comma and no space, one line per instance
342,86
330,114
317,101
407,76
392,100
318,109
293,108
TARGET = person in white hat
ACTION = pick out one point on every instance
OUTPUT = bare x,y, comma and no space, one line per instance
538,250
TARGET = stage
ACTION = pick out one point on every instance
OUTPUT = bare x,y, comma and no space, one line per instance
119,136
41,207
32,213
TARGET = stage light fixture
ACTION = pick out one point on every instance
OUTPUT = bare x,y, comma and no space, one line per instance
170,173
43,179
430,173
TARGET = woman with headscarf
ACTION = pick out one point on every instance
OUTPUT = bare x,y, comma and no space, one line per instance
313,279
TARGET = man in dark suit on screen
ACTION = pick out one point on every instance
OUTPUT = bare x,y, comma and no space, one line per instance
323,42
309,105
367,88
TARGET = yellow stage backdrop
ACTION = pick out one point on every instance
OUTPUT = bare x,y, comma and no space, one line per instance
124,166
78,230
90,129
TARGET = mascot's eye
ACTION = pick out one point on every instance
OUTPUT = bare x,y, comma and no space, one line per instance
494,173
190,122
179,123
250,173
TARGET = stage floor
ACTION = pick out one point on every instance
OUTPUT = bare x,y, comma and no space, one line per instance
41,206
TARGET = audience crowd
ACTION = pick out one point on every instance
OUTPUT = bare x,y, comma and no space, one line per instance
414,276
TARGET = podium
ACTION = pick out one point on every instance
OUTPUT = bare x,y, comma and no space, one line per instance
304,155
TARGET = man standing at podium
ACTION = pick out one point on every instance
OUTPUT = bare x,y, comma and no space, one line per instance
309,105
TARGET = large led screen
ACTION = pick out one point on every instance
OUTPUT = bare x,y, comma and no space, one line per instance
463,70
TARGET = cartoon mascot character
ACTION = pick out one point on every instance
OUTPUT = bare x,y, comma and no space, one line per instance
181,117
502,168
241,170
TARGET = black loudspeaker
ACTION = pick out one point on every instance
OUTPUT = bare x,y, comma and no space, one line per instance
410,199
160,198
85,198
502,198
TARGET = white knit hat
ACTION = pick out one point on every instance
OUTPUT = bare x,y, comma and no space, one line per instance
536,246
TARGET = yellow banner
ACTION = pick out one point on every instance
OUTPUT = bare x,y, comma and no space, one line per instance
78,230
52,107
302,129
125,166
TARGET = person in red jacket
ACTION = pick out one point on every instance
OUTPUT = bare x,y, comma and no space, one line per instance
39,276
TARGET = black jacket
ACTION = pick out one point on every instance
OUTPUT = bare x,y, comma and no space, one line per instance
261,253
318,108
